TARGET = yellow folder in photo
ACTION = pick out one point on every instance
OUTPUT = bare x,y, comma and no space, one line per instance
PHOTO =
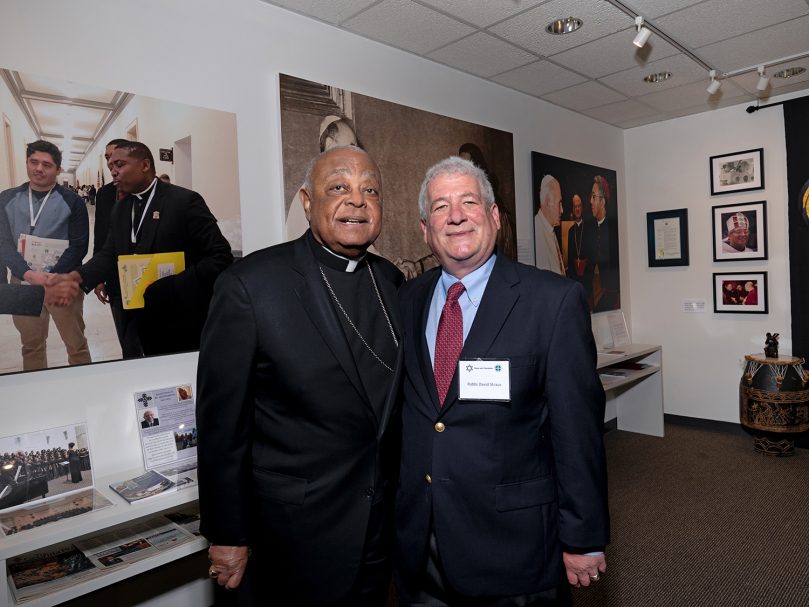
136,272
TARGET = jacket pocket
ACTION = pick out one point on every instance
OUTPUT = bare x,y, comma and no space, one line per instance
279,487
525,494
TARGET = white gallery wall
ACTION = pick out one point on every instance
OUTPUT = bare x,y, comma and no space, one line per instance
15,132
667,168
227,56
214,163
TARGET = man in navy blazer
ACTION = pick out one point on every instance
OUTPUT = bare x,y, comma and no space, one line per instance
503,494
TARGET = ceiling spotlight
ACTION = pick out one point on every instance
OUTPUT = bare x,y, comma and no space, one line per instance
658,77
713,87
643,33
763,80
564,26
789,72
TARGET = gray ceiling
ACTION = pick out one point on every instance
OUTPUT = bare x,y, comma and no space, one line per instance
596,70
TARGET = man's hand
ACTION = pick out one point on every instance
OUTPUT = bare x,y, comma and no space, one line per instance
228,564
101,293
582,570
60,290
35,278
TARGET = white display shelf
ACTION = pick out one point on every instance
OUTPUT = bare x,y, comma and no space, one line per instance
121,513
636,395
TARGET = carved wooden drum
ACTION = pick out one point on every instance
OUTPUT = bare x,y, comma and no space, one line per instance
774,402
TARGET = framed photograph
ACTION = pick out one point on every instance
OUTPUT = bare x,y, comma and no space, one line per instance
37,466
740,292
667,238
738,172
740,231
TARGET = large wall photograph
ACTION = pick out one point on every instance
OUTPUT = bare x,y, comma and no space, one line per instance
576,211
404,142
193,147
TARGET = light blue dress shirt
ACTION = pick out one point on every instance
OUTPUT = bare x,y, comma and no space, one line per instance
475,283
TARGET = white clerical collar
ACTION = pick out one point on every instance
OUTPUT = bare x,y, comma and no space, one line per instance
352,263
139,195
603,219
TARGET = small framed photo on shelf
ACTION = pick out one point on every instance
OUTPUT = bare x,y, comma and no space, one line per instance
667,238
740,292
740,231
737,172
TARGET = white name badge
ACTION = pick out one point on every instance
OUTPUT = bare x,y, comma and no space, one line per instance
483,379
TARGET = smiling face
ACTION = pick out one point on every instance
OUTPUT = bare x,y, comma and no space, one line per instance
42,171
345,205
461,229
738,238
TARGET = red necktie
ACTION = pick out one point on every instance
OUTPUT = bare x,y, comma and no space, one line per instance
448,341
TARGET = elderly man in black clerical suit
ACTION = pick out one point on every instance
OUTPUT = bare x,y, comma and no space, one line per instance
158,217
502,493
297,412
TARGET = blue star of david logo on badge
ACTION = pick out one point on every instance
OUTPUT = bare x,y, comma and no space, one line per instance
468,368
498,368
144,399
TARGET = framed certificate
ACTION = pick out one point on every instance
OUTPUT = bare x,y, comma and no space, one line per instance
667,238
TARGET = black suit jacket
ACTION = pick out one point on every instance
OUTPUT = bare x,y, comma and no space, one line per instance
175,306
510,482
105,200
291,453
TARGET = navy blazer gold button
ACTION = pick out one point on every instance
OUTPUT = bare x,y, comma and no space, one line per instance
440,427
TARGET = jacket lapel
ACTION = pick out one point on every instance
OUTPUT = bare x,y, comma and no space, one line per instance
421,350
390,299
315,300
495,306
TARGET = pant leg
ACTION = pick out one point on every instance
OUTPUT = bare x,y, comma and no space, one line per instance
432,589
69,321
33,338
126,327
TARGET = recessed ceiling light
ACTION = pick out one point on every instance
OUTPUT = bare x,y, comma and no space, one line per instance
564,26
789,72
655,78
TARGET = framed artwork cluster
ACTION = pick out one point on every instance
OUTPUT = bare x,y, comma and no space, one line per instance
739,232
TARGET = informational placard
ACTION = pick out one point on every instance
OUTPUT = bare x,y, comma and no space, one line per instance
609,330
167,424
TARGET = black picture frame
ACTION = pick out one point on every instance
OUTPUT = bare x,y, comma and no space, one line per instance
738,301
751,214
663,225
737,172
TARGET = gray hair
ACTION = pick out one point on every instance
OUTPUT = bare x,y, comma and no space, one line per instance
455,165
310,168
544,188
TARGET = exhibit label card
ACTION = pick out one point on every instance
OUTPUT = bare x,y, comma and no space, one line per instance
167,424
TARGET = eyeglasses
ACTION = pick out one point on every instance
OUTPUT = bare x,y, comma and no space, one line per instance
596,196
